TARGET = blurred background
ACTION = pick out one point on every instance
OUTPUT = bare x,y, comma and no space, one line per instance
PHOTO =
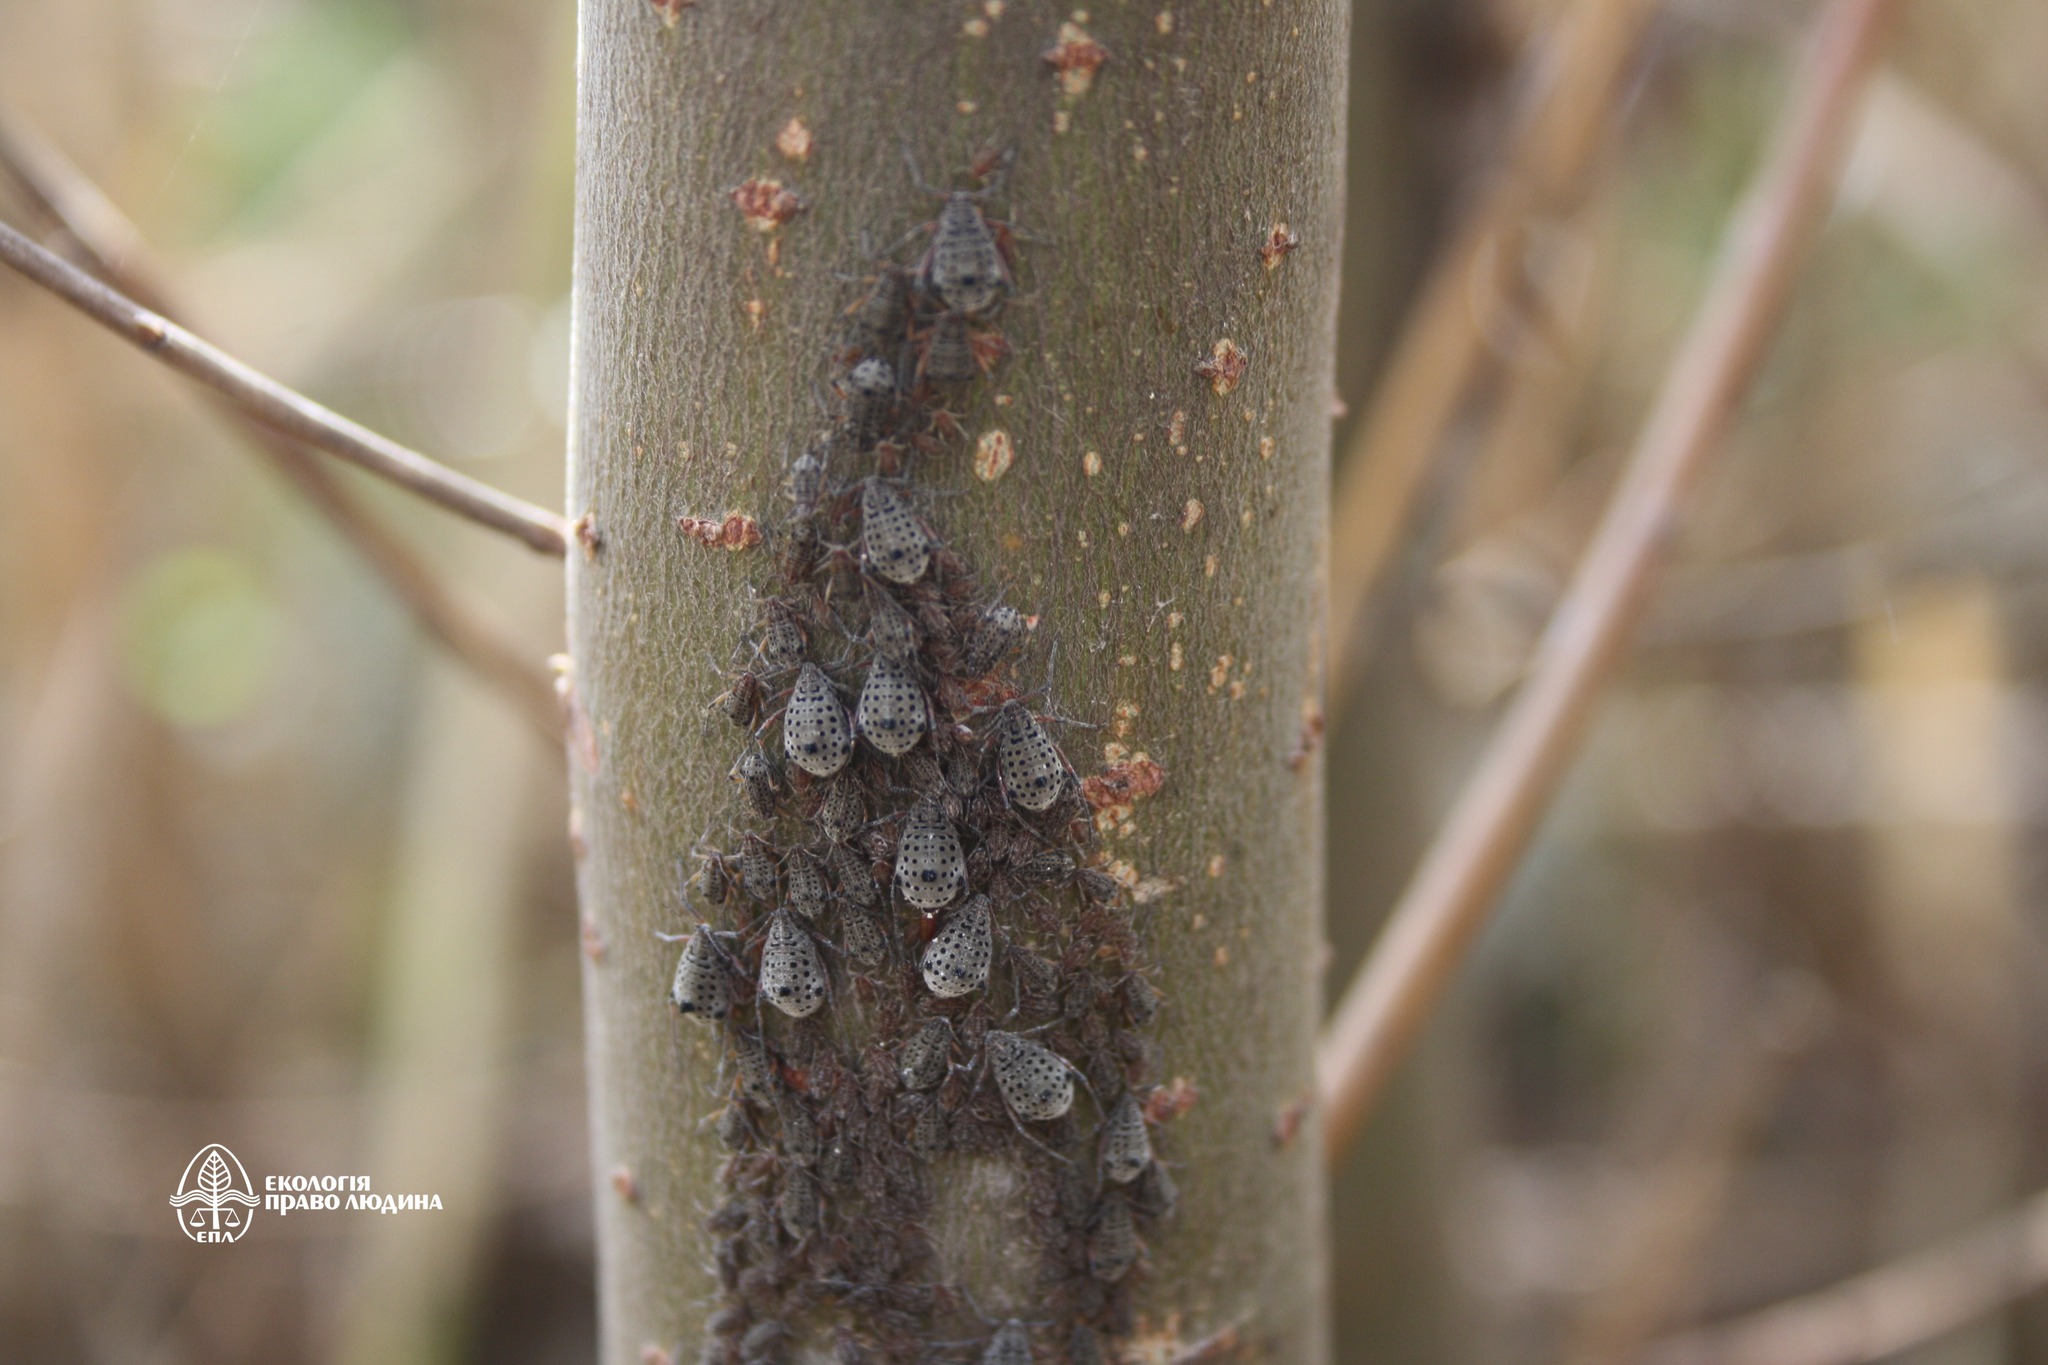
1765,1007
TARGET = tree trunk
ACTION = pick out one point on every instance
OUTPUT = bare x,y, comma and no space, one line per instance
1165,527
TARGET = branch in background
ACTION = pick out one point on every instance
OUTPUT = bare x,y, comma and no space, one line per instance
1887,1310
280,408
108,243
1483,838
1441,345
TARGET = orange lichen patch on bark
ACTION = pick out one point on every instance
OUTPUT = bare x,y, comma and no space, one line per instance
794,142
1279,242
625,1185
994,453
587,536
737,531
1191,514
989,350
671,10
1168,1102
767,204
1124,782
591,938
964,697
1224,367
1076,58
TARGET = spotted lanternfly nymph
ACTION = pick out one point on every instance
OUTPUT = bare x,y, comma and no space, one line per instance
740,703
926,1057
782,639
717,885
815,732
797,1208
757,779
928,1133
799,1133
892,713
948,352
1011,1345
701,986
995,635
757,1072
870,399
757,869
854,879
957,959
892,542
930,867
861,939
1126,1146
876,323
1034,773
842,811
1113,1241
964,266
792,976
892,631
807,483
1034,1081
805,885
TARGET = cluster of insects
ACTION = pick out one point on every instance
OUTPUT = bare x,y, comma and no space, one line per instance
909,955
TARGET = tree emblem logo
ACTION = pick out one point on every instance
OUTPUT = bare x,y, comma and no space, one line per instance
215,1199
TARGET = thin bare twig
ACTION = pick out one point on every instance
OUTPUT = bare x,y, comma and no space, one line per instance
1488,828
110,246
280,408
1444,338
1881,1312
